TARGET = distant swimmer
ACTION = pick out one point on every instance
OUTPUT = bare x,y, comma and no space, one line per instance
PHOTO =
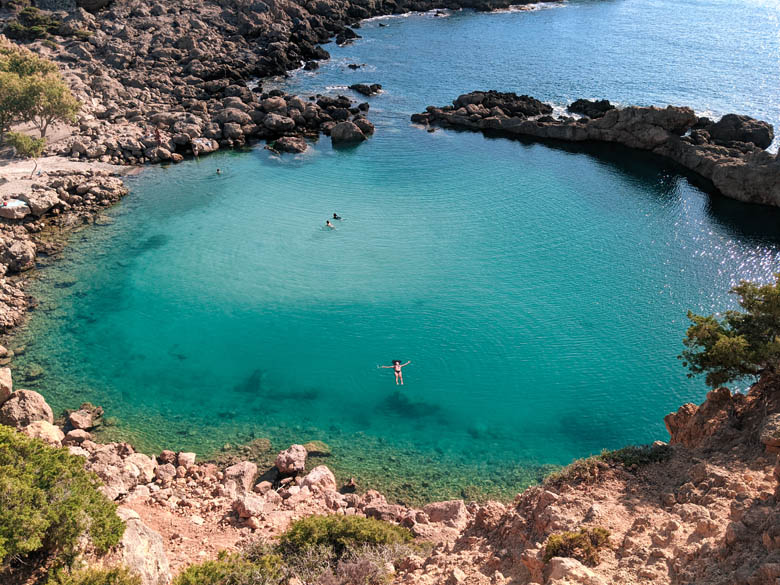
336,216
399,375
329,225
219,171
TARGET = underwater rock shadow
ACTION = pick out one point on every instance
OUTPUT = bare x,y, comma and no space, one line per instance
398,404
256,384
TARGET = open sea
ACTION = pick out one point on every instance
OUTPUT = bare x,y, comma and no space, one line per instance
540,291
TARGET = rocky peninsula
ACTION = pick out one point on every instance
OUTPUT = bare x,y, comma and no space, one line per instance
730,154
701,509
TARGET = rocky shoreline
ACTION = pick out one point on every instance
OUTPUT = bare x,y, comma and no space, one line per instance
703,509
730,154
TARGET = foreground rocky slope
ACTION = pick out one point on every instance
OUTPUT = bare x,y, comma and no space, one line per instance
702,509
729,153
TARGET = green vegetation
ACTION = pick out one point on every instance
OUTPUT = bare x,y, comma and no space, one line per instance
588,469
27,146
48,502
32,90
113,576
328,550
583,545
740,343
31,24
341,533
234,569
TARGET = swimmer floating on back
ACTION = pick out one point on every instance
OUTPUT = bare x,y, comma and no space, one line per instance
329,225
399,375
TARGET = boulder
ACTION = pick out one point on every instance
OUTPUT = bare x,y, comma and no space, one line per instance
41,429
291,461
249,506
76,437
185,459
233,115
146,466
25,407
320,478
365,126
166,456
294,144
81,419
6,384
452,513
591,108
41,201
232,131
346,132
14,209
274,104
243,474
17,254
568,571
165,472
277,123
366,89
142,550
736,128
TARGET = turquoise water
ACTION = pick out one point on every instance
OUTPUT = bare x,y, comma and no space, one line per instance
539,290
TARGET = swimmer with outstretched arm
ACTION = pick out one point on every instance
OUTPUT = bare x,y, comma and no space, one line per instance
399,375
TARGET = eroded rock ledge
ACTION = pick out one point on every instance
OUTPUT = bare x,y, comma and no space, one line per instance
729,153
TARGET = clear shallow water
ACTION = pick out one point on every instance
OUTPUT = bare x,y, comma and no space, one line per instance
539,291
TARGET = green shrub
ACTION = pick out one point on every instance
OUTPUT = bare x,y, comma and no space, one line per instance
588,469
114,576
31,24
341,533
234,569
583,545
48,501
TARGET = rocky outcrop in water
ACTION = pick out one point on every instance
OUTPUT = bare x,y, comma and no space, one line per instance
729,153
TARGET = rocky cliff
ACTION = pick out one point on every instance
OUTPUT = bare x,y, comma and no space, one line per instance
730,153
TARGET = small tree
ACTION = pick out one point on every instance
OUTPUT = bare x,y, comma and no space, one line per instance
15,101
22,61
27,147
51,102
740,343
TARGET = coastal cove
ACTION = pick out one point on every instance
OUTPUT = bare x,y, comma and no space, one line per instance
539,291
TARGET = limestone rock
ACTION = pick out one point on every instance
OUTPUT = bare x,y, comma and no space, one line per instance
291,461
6,384
320,478
44,430
277,123
452,513
81,419
40,201
17,254
25,407
185,459
146,466
243,474
14,211
569,571
736,128
142,550
249,505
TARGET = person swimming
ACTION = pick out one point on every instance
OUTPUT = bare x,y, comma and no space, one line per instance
329,225
336,215
219,171
397,366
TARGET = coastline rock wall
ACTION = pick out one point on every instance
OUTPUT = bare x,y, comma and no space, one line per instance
729,153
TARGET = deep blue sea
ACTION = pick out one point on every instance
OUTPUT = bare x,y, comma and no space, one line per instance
540,291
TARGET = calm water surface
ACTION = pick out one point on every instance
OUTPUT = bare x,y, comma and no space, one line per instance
539,291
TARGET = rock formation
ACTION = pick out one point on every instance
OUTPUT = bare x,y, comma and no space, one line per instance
729,153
